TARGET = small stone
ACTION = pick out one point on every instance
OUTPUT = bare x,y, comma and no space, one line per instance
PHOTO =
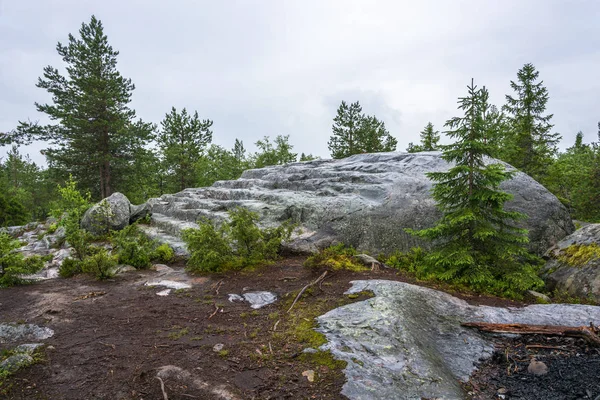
537,368
309,374
13,363
537,297
310,350
259,299
218,347
502,391
235,297
163,293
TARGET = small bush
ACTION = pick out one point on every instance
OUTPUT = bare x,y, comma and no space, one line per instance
13,264
163,253
52,228
101,264
70,267
410,261
236,244
133,247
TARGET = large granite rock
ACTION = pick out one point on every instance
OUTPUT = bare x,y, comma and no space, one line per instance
407,342
573,265
365,200
111,213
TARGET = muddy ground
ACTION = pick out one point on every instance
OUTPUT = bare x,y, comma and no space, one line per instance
111,338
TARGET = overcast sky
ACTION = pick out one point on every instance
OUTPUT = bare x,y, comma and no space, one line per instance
274,67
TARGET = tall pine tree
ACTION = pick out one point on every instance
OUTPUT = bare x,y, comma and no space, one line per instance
477,241
529,144
96,138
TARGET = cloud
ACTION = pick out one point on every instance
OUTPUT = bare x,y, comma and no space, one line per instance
268,67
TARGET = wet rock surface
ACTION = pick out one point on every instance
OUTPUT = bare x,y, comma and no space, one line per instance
408,340
14,333
573,265
365,200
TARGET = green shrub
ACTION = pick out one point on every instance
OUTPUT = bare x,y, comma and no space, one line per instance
336,257
52,228
133,247
236,244
70,267
101,264
410,261
163,253
13,264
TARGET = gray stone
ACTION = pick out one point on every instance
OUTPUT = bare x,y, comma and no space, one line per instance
537,368
259,299
537,297
234,297
368,261
96,221
365,200
15,362
577,279
27,348
407,342
11,333
138,212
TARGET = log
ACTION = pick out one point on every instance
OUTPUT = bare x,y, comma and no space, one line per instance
589,333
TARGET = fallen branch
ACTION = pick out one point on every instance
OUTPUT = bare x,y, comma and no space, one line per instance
589,333
162,388
218,286
215,312
319,279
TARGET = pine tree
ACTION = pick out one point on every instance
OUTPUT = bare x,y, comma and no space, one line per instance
277,153
96,137
476,242
529,145
429,140
182,140
356,133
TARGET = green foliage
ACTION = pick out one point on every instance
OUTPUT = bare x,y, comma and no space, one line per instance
163,253
71,201
133,247
182,140
13,264
70,267
219,164
277,153
529,145
238,243
100,264
90,106
355,133
411,261
477,242
336,257
429,140
12,212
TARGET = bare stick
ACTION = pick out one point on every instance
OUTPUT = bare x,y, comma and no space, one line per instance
162,387
319,279
275,326
214,312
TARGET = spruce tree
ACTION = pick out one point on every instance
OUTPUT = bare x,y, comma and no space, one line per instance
476,242
356,133
95,138
182,140
529,144
429,140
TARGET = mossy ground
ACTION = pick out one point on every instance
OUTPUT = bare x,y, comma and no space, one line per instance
578,255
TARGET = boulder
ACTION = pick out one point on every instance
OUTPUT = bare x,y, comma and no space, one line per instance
407,342
111,213
365,200
138,212
573,265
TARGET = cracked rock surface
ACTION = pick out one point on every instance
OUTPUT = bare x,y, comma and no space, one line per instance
365,200
407,342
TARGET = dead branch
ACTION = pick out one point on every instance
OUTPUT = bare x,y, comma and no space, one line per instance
218,286
589,333
275,326
319,279
214,312
162,388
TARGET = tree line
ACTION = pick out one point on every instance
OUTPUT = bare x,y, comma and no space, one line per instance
96,138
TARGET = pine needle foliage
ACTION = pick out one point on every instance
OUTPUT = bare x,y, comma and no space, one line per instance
477,242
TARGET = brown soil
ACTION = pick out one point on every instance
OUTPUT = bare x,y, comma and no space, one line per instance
111,337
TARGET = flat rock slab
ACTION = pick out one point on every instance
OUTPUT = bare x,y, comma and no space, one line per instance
169,284
256,299
407,342
12,333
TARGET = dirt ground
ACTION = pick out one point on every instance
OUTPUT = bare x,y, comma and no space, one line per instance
111,338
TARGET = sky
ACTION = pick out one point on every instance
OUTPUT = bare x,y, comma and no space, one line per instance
282,67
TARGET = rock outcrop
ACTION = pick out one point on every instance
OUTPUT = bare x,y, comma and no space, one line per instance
365,200
573,265
407,342
114,212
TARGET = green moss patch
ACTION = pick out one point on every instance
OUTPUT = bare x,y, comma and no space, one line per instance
578,255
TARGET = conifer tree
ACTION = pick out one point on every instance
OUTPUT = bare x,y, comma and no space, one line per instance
355,133
96,137
477,242
429,140
529,144
182,140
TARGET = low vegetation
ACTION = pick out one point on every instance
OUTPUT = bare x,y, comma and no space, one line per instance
13,264
236,244
336,257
